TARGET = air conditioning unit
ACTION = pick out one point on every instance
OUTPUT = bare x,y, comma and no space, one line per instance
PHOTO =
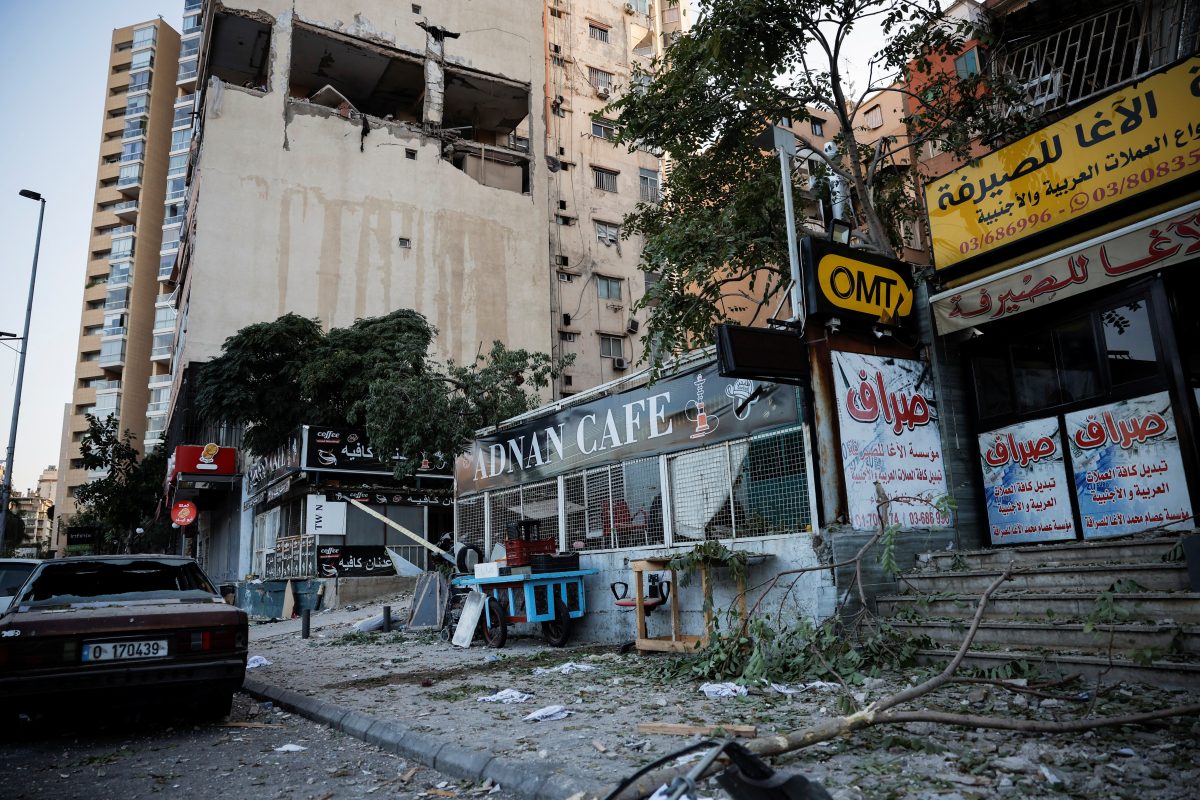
629,8
632,326
620,364
566,320
602,93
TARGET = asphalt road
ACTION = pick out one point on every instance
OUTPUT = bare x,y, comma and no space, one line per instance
126,758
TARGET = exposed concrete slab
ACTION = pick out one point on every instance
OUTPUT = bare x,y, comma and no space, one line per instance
1161,638
1181,607
1118,550
1158,577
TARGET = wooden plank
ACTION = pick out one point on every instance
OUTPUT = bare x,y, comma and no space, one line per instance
680,729
685,644
640,603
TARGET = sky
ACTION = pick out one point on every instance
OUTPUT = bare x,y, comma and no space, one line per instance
52,56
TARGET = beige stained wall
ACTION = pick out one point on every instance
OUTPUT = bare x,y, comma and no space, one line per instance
292,216
148,236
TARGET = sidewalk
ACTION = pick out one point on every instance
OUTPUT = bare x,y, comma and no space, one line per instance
417,696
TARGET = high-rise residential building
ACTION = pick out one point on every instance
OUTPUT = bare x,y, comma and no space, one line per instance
117,361
35,507
353,158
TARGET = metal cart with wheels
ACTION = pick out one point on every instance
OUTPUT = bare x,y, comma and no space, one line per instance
555,599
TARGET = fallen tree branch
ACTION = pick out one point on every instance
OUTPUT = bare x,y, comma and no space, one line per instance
1032,725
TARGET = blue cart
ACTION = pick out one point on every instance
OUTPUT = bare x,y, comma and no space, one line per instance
551,598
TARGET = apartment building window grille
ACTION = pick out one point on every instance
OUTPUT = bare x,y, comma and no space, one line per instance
600,79
609,289
603,129
181,139
133,151
874,117
967,64
604,179
142,60
598,32
648,183
144,37
612,347
608,232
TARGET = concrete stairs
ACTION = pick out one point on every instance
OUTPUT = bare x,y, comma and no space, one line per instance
1113,610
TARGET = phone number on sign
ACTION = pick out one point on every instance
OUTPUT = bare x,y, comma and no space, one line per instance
1129,184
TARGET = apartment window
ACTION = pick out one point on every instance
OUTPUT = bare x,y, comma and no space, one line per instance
967,64
608,232
144,37
604,179
133,151
567,336
600,79
817,126
136,105
177,165
187,69
166,265
608,288
563,219
181,139
139,83
116,299
558,62
603,129
874,117
118,273
189,48
155,425
648,184
612,347
640,6
93,330
162,346
164,318
112,352
191,23
598,32
143,60
183,116
170,238
134,128
114,324
121,248
176,188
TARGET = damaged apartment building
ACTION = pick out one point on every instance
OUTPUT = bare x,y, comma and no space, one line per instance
353,157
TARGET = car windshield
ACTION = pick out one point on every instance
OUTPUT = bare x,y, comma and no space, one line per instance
115,581
12,576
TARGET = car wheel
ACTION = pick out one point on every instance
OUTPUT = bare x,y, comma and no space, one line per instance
558,631
496,634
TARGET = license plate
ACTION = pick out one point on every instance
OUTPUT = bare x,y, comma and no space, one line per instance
120,651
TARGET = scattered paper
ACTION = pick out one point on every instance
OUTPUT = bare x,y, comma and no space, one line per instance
548,714
257,661
506,696
723,690
564,669
791,688
290,748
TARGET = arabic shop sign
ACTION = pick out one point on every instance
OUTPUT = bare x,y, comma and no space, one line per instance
1133,140
269,468
1153,244
353,562
347,450
889,434
848,283
684,412
1028,493
1128,470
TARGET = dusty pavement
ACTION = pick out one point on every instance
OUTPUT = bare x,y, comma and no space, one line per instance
175,758
434,688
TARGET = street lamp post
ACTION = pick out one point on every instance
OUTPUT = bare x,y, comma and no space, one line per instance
6,487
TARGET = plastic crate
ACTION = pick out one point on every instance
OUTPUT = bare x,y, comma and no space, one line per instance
554,562
518,552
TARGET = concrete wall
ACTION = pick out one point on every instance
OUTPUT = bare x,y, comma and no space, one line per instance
813,595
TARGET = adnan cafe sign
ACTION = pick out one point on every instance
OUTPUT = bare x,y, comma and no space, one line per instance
692,410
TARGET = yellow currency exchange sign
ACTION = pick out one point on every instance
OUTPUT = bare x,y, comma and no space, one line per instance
1131,141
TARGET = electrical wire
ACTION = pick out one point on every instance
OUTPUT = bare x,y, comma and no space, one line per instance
625,784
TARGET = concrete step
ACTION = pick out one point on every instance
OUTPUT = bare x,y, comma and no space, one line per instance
1127,550
1063,636
1163,673
1180,607
1099,577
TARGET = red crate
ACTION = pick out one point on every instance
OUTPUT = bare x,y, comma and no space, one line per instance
519,552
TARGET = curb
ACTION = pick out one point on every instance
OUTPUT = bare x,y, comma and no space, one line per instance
531,780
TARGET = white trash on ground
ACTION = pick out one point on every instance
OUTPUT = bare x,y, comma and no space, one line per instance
290,748
564,669
370,624
505,696
792,688
548,714
712,690
257,661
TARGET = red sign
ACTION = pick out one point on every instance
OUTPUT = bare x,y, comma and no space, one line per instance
206,459
183,513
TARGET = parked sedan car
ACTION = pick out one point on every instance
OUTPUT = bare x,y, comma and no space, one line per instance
128,629
13,572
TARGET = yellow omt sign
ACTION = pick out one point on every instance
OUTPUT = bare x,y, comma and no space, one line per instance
865,288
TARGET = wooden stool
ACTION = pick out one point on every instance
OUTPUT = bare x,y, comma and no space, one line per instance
676,642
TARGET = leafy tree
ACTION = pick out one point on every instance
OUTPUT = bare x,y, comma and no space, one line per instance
717,237
127,497
376,374
14,531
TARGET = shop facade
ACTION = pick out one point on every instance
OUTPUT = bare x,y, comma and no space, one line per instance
1070,262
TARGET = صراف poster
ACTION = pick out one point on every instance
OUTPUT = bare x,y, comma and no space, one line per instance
889,430
1028,493
1128,469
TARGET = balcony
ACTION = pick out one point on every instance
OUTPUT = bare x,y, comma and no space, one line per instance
121,230
126,210
176,220
161,353
114,330
187,73
159,381
105,385
112,354
185,99
130,183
